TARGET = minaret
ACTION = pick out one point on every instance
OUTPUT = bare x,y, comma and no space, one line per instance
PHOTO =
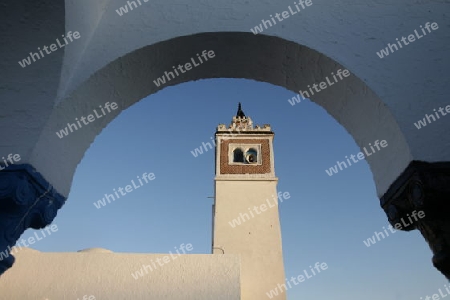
245,218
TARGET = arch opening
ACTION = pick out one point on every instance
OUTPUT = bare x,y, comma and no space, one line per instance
237,55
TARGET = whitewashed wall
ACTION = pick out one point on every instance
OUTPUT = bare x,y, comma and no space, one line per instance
69,276
382,99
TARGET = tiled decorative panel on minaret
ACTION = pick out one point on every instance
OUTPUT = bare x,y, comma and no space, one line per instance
241,142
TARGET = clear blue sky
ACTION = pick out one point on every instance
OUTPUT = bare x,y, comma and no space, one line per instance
325,220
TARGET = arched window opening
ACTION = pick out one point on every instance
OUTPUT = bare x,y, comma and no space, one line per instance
238,155
251,156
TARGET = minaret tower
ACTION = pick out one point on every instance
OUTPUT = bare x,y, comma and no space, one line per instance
246,220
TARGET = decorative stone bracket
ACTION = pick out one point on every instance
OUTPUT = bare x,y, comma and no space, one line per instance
27,200
424,187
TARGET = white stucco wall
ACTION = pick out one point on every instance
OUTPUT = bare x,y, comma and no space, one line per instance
69,276
351,103
257,239
410,82
382,101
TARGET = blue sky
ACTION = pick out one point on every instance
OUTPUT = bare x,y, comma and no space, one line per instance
325,220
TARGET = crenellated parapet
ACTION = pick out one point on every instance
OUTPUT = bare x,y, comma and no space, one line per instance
242,123
235,128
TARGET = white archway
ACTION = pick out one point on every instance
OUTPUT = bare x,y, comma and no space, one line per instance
237,55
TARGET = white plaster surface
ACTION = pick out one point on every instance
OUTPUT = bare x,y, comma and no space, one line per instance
257,240
69,276
118,57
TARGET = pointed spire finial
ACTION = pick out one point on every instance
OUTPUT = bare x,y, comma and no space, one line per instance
240,113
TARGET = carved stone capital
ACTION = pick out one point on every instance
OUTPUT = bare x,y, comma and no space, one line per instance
27,200
424,187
